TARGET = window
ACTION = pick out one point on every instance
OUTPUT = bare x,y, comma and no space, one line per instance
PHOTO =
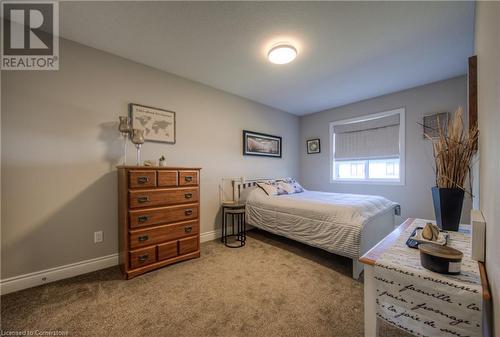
369,149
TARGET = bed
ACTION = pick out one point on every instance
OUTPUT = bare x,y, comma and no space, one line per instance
343,224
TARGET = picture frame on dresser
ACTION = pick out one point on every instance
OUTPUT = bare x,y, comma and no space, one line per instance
158,219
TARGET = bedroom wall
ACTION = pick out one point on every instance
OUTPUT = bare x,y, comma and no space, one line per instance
488,76
415,196
60,145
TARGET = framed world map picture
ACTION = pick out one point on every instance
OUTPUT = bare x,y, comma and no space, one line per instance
158,124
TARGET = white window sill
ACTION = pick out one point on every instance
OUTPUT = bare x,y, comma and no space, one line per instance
367,182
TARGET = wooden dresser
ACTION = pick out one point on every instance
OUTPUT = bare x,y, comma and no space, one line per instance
158,217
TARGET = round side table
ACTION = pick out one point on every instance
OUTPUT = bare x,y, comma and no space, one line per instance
236,212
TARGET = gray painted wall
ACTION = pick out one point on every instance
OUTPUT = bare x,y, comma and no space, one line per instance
415,197
488,76
60,145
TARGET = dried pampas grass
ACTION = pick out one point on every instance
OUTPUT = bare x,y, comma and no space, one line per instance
453,151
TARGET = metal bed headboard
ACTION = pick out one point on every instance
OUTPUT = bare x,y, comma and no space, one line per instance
239,186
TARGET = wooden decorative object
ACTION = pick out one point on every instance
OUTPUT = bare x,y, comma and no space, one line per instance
472,89
472,77
158,217
440,259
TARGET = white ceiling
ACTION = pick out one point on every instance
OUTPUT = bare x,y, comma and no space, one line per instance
348,51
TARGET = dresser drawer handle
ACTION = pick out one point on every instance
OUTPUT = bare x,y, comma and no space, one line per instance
188,179
188,212
143,258
142,200
143,218
188,229
188,195
143,238
142,179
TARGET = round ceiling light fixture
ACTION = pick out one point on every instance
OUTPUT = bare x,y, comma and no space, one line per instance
282,54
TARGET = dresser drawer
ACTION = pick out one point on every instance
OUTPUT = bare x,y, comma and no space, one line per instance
188,178
138,179
183,229
146,237
156,216
167,250
142,257
158,234
188,245
168,178
159,197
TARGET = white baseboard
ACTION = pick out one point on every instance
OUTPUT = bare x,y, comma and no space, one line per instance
209,236
30,280
58,273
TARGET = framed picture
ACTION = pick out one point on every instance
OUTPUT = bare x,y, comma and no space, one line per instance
260,144
158,124
432,124
313,146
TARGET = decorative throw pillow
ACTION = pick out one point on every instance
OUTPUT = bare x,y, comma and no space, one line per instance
291,185
287,187
271,187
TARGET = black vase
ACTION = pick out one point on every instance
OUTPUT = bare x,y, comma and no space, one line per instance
448,207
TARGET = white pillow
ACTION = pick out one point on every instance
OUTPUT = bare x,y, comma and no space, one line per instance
287,187
271,188
292,186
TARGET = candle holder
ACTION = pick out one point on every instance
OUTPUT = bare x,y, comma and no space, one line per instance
138,140
125,129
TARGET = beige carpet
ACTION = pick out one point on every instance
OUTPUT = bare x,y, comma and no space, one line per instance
271,287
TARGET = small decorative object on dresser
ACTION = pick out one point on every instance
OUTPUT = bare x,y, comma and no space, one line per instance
158,124
440,259
162,162
313,146
138,140
260,144
158,217
430,233
125,129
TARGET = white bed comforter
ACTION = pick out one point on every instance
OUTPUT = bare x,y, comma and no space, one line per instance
331,221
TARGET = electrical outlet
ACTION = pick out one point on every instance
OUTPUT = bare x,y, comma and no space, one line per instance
98,237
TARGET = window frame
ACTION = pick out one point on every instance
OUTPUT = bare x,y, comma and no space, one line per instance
402,149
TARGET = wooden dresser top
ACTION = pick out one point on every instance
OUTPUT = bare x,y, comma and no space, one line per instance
135,167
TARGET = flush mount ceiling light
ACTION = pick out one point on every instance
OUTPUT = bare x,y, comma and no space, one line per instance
282,54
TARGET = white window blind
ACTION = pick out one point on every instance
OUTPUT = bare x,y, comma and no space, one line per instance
370,139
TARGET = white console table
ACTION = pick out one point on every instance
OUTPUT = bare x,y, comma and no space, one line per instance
370,283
